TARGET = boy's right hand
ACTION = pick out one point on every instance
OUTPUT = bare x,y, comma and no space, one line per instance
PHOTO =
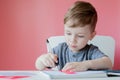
46,60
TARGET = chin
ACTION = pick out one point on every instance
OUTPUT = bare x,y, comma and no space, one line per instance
75,51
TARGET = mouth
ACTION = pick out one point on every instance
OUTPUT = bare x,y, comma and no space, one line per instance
73,46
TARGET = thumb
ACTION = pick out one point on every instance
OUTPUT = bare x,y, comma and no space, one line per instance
56,58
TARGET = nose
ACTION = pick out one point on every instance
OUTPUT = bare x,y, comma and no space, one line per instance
73,39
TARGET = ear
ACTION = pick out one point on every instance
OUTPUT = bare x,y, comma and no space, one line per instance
93,35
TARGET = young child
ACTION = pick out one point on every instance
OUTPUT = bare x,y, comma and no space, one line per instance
75,54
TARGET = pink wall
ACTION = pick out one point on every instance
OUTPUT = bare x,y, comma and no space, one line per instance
25,24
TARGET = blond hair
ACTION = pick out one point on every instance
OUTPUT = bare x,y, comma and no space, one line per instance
81,13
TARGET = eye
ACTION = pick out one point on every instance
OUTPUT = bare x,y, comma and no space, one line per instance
68,33
80,36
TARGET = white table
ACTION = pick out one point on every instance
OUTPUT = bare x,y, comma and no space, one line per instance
33,75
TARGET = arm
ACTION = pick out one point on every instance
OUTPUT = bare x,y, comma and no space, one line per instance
100,63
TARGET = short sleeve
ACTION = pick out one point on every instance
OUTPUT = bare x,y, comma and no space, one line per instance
59,49
95,53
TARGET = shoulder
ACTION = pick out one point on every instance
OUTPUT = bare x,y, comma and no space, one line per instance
60,47
93,47
90,47
95,52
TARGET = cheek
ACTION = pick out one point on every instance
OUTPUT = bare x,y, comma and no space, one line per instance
67,39
82,41
81,44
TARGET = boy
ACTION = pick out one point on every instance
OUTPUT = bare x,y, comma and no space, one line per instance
76,55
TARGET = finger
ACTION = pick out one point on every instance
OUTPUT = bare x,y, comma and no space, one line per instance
51,63
78,69
74,70
67,67
46,63
49,60
54,57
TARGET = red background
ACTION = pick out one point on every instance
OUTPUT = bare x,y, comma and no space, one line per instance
26,24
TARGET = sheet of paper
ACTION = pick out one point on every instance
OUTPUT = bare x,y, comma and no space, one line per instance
16,73
76,73
63,75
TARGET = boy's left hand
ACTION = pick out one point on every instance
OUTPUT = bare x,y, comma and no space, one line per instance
76,66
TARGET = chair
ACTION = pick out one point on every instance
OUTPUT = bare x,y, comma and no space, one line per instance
105,43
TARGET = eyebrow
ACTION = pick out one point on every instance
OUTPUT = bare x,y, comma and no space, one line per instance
77,33
70,31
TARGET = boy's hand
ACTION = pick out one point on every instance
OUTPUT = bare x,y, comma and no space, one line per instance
46,60
76,66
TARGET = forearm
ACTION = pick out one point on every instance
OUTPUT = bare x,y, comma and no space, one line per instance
101,63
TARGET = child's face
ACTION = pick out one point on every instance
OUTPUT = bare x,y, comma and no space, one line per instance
78,37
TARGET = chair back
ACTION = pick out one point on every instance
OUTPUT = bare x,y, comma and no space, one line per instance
105,43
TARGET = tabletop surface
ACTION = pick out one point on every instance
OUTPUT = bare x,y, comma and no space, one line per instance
34,75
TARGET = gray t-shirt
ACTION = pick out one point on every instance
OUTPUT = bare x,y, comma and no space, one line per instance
65,55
